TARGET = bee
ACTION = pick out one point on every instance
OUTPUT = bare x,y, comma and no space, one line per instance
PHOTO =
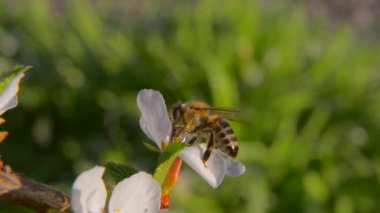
193,120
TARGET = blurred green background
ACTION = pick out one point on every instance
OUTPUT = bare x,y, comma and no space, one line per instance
310,82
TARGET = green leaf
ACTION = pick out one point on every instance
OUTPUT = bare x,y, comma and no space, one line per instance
6,78
166,159
114,173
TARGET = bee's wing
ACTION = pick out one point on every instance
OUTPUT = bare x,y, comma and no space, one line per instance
231,114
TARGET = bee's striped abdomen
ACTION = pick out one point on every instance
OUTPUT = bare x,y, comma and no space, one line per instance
225,139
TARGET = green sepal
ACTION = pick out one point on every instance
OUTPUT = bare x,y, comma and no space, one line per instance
170,152
114,173
151,146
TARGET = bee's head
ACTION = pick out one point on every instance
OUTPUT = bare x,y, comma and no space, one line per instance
188,112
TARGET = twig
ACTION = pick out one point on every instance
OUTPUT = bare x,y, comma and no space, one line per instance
15,188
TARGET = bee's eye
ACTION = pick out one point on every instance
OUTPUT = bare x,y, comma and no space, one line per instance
177,112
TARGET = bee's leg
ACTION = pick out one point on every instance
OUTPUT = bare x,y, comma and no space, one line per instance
191,142
172,135
194,130
210,147
176,132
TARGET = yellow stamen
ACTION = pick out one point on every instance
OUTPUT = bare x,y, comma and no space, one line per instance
3,135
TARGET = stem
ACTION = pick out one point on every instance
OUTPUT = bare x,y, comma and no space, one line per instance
17,189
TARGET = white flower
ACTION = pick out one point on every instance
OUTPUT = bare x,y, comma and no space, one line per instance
138,193
8,97
154,117
155,123
89,193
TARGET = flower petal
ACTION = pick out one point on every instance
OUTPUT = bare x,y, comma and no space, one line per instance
138,193
233,167
215,169
89,192
8,97
154,120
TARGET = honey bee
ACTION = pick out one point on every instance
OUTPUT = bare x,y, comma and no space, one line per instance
193,120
